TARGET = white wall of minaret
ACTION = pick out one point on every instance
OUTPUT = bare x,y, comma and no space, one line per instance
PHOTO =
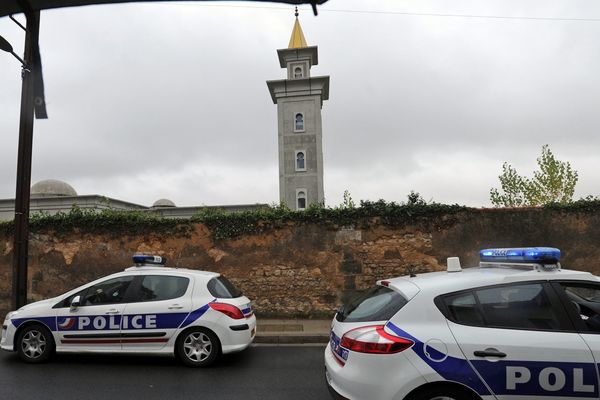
299,99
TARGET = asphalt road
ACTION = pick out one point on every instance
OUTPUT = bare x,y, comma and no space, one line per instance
263,373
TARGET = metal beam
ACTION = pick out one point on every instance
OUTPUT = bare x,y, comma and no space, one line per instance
8,7
21,222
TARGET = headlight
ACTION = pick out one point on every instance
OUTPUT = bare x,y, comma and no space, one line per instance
11,314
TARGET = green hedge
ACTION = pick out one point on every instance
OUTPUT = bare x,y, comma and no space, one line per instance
103,221
230,225
227,225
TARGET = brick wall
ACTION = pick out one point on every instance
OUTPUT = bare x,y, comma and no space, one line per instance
306,270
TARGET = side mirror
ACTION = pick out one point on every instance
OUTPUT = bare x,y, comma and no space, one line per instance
75,302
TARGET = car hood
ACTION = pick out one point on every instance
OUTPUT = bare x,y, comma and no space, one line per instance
33,308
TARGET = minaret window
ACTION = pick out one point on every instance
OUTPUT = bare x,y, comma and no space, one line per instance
298,73
301,199
300,161
299,122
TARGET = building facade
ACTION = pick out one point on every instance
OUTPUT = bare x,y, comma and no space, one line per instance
52,196
299,99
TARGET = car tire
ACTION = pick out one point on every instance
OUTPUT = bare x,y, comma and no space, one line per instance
198,347
443,393
35,344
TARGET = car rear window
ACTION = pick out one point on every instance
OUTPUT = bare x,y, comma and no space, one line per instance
222,288
379,303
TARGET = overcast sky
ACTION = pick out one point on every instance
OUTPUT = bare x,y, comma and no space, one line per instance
168,100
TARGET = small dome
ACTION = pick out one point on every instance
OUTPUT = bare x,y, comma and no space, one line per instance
51,188
163,203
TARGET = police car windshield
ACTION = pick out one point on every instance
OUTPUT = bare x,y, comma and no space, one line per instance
220,287
377,304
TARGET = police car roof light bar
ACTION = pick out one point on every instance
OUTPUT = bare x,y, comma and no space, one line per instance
521,265
140,259
537,255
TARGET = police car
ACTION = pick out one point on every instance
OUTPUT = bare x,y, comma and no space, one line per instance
517,327
148,308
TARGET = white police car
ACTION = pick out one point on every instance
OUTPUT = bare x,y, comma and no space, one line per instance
516,327
148,308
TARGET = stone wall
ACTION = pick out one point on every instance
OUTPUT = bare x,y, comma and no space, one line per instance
306,270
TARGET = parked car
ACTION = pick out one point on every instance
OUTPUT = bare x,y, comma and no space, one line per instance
147,308
516,327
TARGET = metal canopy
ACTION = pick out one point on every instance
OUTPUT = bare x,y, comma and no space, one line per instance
8,7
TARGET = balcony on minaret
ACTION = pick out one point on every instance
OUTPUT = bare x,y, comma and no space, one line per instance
298,59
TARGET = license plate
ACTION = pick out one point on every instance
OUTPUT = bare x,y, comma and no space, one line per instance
338,350
247,310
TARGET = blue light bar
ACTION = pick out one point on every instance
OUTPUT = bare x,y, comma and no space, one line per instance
147,259
543,255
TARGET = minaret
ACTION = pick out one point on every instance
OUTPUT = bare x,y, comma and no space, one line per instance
299,100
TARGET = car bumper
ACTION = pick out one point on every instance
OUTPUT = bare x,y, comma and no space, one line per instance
238,337
366,376
334,394
8,333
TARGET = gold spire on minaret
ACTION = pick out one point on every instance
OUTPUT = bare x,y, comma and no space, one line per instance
297,40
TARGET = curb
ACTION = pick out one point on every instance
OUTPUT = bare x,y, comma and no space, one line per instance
292,339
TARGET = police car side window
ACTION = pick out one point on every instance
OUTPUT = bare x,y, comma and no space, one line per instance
463,309
522,306
585,301
67,302
111,291
162,287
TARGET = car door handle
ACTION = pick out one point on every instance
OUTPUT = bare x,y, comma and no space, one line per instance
175,307
490,352
113,311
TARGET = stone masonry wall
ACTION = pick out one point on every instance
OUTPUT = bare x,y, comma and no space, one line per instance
306,270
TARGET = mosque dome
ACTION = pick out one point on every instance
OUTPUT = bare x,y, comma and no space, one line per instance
51,188
163,203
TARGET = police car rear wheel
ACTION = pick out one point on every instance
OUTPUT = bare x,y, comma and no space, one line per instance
443,398
35,344
443,393
198,348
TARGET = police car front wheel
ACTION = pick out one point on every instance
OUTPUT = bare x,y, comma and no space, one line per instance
35,344
198,347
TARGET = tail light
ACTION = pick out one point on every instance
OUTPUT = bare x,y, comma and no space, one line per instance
227,309
373,339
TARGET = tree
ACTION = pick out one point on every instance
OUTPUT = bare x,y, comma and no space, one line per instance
554,182
415,199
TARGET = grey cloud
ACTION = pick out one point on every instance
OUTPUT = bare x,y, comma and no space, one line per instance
176,95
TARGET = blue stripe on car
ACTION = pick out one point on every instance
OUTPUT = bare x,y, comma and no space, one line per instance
194,315
450,368
116,322
583,384
50,322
